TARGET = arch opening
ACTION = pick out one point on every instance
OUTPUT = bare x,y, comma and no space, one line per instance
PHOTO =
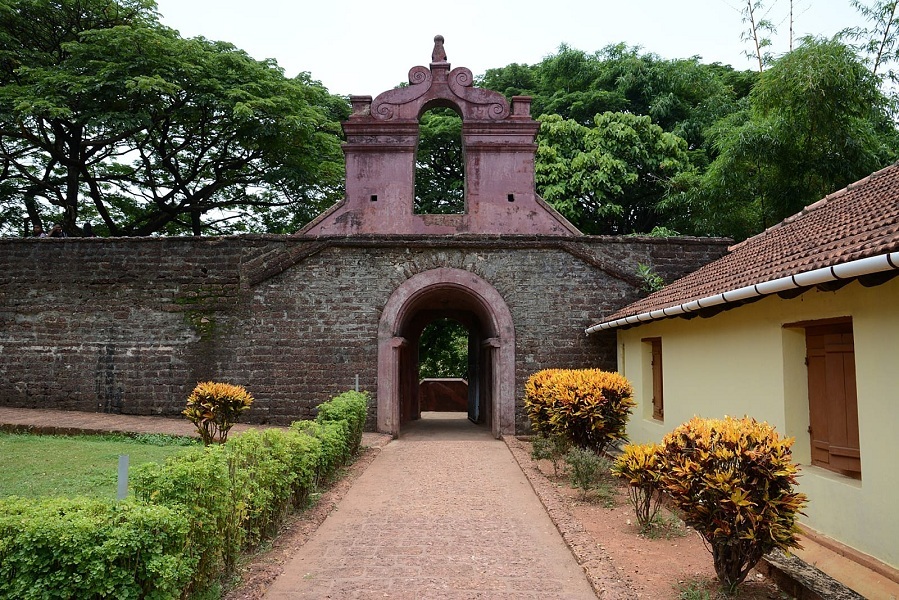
444,371
463,297
439,163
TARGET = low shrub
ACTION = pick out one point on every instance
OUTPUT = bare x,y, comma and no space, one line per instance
259,464
82,548
590,407
191,518
732,480
198,482
639,465
351,407
552,447
335,449
301,454
214,408
586,469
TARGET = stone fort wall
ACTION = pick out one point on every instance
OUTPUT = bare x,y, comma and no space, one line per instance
131,325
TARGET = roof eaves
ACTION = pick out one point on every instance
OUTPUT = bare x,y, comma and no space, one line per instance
843,271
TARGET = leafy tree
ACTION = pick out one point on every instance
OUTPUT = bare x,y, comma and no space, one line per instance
58,118
611,178
682,96
106,114
511,80
879,42
443,350
611,188
758,31
439,170
816,123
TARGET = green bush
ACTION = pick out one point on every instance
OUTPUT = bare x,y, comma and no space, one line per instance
551,447
193,515
262,482
301,454
199,483
334,439
81,548
351,407
214,409
732,480
590,407
585,468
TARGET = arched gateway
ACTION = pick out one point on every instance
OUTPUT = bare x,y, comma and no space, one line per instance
464,296
498,141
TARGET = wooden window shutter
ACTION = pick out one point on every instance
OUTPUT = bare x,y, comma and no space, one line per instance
658,397
833,403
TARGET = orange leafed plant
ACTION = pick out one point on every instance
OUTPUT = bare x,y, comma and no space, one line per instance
590,407
732,480
214,408
639,465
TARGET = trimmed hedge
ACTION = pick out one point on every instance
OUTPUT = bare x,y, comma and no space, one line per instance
191,518
83,548
350,407
198,483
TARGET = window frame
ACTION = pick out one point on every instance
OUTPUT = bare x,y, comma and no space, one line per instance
832,395
657,377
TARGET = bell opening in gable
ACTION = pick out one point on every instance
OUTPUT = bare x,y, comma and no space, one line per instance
439,164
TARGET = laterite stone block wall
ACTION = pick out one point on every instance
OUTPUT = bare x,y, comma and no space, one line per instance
131,325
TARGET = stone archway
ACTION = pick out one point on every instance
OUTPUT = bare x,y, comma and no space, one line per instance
456,290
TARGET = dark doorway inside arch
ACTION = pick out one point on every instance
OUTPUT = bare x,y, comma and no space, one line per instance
435,336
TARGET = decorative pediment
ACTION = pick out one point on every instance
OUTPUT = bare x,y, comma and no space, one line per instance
438,86
498,150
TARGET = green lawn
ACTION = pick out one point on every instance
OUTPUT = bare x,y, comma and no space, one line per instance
45,465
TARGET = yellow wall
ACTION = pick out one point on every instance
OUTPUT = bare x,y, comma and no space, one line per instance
744,362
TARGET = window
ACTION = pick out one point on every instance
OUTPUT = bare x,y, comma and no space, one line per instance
658,399
833,405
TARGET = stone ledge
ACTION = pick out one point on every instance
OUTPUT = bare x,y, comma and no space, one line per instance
803,581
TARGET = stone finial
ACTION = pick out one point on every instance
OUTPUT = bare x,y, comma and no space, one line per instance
439,54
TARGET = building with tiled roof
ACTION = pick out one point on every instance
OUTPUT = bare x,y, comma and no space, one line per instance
797,326
853,233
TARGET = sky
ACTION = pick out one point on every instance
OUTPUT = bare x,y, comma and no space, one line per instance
365,48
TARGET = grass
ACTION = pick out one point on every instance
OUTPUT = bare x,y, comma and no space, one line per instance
695,589
664,525
44,465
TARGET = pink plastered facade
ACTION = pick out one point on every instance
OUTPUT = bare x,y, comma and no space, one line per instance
498,140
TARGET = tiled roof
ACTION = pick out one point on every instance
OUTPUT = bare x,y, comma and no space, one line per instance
857,222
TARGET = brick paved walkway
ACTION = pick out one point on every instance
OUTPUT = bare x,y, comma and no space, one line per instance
444,512
65,422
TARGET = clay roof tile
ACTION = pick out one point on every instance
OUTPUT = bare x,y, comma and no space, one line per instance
859,221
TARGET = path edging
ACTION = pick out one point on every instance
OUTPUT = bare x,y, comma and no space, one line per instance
597,564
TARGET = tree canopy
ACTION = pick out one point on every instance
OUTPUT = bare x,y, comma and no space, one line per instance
632,142
610,178
816,122
107,116
439,169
